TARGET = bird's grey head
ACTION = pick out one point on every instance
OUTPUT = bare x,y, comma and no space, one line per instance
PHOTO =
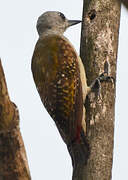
54,21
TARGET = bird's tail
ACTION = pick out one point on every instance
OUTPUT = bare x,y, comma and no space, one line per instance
79,150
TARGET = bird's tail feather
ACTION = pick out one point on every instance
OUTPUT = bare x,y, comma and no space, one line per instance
79,150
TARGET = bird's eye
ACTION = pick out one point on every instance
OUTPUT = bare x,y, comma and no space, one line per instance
62,16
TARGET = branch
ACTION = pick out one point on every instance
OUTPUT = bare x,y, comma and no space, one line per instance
13,160
99,42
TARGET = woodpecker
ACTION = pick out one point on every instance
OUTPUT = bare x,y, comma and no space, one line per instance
60,76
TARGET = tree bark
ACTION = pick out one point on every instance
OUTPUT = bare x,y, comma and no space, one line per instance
13,160
99,43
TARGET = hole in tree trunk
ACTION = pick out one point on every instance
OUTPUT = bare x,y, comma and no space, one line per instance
92,14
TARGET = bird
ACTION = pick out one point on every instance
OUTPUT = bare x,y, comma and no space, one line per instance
60,76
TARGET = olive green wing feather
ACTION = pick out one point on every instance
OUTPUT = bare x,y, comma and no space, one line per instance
56,74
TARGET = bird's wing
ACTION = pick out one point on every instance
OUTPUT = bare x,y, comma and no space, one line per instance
57,77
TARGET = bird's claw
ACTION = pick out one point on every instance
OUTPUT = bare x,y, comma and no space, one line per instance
96,84
104,77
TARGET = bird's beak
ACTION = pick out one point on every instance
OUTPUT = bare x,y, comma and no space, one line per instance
73,22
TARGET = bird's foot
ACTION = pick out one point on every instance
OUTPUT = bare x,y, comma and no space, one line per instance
96,84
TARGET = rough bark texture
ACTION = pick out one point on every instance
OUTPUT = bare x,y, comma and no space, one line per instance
99,42
13,160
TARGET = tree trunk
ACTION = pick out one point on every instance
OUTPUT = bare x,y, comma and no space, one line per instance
13,160
99,43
